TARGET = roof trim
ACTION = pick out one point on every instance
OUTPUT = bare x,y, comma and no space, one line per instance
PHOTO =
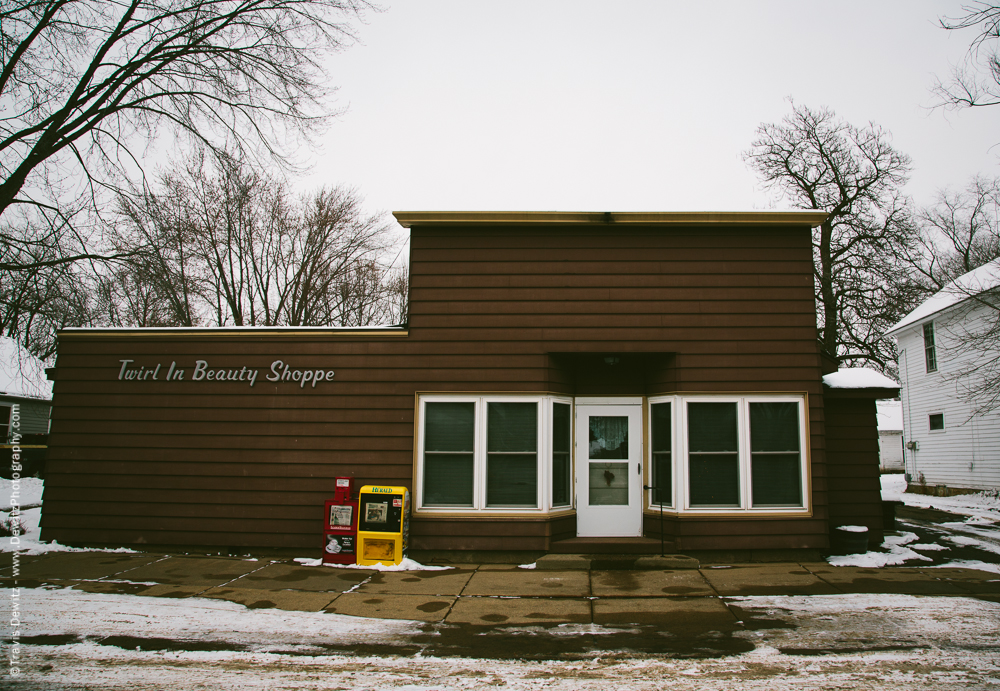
232,332
409,219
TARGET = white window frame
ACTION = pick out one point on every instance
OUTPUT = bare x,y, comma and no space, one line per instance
944,422
679,454
544,454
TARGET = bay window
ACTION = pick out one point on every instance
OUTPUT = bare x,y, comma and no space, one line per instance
493,453
724,454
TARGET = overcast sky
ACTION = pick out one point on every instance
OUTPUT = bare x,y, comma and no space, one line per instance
631,105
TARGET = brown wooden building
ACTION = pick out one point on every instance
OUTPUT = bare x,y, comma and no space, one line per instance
554,365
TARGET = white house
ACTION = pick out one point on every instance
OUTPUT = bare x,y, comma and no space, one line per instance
948,446
890,435
25,402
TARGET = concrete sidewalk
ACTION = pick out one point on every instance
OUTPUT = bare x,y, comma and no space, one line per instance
480,595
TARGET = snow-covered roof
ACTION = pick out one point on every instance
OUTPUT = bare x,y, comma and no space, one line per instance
890,416
858,378
21,373
965,286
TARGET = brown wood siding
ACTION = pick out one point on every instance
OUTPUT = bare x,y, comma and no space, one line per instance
855,490
221,464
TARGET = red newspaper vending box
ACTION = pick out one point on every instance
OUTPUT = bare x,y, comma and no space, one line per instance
340,530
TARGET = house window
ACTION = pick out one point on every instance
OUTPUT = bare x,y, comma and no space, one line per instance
712,454
930,352
935,422
562,465
494,453
5,423
661,432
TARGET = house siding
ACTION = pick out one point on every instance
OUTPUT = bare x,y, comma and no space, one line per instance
966,454
492,309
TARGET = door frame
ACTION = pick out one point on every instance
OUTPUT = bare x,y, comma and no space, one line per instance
619,520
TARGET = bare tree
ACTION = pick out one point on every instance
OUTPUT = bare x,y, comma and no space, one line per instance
958,253
976,82
86,84
817,161
959,233
220,242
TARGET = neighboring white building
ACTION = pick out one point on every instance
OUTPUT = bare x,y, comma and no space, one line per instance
947,446
890,435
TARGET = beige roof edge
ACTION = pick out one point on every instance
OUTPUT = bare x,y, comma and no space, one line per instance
408,219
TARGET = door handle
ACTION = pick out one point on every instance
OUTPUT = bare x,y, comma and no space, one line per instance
638,467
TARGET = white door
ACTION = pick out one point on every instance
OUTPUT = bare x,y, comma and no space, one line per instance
609,470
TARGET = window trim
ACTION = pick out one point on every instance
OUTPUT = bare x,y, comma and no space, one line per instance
930,347
944,425
679,453
543,504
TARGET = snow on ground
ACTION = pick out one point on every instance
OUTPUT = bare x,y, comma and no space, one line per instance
982,506
406,564
811,642
982,512
29,491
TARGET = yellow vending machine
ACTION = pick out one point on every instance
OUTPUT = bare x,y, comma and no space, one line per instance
383,524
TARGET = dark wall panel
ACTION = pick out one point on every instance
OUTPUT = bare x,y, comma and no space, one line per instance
221,463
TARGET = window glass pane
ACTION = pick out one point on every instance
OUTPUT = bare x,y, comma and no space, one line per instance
448,479
774,426
712,427
608,437
776,479
561,440
775,459
512,480
929,349
714,479
608,484
713,461
661,422
512,427
449,426
936,421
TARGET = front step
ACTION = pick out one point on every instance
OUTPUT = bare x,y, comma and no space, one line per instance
615,562
610,545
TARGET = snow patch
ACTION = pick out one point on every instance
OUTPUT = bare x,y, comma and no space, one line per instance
853,528
858,378
898,554
406,564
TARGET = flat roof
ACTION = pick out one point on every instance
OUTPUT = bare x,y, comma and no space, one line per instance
408,219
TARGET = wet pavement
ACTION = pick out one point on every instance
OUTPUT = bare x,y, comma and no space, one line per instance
492,610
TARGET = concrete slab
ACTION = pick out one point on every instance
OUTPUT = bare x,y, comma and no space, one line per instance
563,562
283,576
969,580
450,582
530,583
129,588
766,579
697,614
496,567
83,565
684,583
206,571
415,607
906,581
669,562
256,598
490,611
